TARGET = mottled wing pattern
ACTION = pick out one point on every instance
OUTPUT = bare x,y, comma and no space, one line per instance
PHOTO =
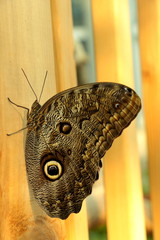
68,136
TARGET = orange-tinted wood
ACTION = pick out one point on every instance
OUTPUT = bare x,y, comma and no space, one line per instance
149,36
123,187
76,224
27,41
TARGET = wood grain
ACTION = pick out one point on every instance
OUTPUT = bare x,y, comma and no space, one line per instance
27,41
76,225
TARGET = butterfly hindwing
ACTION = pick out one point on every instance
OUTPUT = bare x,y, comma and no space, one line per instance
68,136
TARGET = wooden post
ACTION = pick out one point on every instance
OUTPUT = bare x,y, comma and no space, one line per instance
124,199
26,41
76,224
149,35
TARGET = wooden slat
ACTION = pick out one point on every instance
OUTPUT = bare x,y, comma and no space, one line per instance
26,41
63,42
76,224
124,201
149,35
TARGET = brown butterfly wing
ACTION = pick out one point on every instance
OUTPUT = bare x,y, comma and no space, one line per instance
68,136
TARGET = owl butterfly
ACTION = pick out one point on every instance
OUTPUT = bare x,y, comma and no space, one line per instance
68,136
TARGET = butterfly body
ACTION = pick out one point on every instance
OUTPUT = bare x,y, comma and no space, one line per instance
68,136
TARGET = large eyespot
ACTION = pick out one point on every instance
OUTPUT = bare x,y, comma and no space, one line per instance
65,127
52,169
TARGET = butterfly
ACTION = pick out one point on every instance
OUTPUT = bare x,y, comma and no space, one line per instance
67,138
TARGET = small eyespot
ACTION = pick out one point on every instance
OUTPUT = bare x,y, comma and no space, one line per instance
116,105
65,127
69,151
52,170
128,91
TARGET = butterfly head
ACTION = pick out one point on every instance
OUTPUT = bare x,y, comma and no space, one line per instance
35,107
33,114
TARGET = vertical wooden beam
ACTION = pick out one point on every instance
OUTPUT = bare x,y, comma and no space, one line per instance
26,41
149,35
62,28
76,224
124,200
104,39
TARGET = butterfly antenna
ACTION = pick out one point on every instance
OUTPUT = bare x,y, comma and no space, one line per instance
43,85
29,83
10,134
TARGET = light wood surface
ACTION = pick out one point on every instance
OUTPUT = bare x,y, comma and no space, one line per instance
123,186
76,224
27,40
149,35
